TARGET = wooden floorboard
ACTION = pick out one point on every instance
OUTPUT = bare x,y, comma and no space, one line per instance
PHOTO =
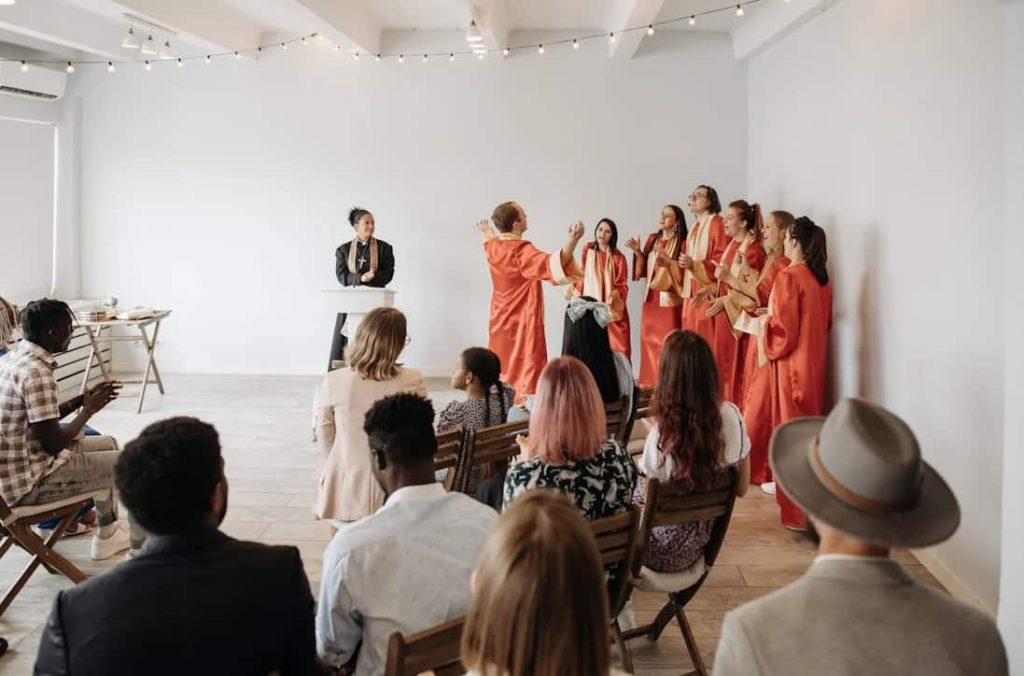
264,424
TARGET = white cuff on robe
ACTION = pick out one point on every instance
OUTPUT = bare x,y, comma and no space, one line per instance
558,273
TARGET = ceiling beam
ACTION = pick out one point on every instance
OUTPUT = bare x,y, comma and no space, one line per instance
68,27
492,19
211,26
343,22
635,13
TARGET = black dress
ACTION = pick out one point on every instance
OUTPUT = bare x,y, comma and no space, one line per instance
385,272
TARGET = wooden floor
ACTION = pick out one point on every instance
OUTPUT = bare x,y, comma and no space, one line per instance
265,428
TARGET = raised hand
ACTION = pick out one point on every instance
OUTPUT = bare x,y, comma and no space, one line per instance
485,228
96,398
634,244
576,231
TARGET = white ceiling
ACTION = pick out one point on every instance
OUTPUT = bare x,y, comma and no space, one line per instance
93,29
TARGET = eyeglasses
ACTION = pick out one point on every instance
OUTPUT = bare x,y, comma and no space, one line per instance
694,197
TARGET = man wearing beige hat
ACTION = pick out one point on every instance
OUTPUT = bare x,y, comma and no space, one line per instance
859,476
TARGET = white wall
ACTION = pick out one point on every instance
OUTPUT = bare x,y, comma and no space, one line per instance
1011,589
882,121
221,191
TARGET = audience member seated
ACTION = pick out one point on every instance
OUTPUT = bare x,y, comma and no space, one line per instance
694,435
488,402
406,568
585,337
539,602
859,476
347,490
568,449
42,460
193,600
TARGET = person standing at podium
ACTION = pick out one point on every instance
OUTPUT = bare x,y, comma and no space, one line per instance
363,261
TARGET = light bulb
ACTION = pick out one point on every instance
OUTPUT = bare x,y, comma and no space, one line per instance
401,58
70,68
181,64
149,46
693,20
611,37
377,58
110,67
424,58
355,57
337,48
130,41
473,34
739,10
575,44
650,30
451,57
165,51
24,67
149,66
284,46
540,49
207,59
304,43
504,52
237,55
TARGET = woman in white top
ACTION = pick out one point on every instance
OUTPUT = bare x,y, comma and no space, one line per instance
347,490
540,607
695,435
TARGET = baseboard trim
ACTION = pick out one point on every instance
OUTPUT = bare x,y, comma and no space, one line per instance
957,588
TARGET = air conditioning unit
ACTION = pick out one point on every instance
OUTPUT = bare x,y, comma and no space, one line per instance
37,82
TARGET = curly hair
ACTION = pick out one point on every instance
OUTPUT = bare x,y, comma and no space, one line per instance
167,474
686,407
43,315
402,427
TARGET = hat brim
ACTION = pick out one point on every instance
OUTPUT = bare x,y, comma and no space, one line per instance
934,518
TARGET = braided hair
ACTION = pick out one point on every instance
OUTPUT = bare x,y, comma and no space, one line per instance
486,366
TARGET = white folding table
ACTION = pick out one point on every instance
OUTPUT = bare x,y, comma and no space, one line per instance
100,332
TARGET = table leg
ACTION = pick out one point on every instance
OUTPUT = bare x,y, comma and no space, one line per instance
92,355
150,363
152,358
99,353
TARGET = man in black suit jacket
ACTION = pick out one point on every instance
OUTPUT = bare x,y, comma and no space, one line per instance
194,601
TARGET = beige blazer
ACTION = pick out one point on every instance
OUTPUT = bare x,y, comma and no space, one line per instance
850,615
347,490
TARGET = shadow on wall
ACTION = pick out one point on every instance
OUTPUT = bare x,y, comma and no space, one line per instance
869,356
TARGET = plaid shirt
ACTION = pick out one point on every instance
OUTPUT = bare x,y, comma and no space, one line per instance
28,394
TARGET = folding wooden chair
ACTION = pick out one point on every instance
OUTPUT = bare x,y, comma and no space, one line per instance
434,650
669,504
449,454
617,415
17,525
641,410
617,537
490,449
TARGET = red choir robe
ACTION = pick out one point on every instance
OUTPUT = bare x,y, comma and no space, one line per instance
744,260
660,315
517,307
757,398
705,244
796,343
606,278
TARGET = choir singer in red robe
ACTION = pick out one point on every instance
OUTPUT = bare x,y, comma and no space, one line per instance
517,302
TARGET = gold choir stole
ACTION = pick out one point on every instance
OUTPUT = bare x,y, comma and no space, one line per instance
665,279
353,245
745,321
696,282
599,281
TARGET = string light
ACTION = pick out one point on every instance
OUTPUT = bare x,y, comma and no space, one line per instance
693,20
451,58
337,48
70,68
284,46
611,37
424,58
650,29
181,64
504,52
739,10
207,59
24,67
355,57
110,67
165,51
575,44
304,43
238,56
540,49
130,41
149,66
149,46
401,58
377,58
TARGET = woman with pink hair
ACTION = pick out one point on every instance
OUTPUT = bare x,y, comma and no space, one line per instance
568,448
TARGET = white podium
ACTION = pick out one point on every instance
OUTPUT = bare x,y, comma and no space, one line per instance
356,301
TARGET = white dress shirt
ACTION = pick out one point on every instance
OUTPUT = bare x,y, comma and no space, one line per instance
405,568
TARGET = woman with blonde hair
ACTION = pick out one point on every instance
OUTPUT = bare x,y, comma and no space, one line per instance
568,448
347,490
8,322
539,602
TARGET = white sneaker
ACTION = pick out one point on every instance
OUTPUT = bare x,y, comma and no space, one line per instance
104,548
627,620
768,487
